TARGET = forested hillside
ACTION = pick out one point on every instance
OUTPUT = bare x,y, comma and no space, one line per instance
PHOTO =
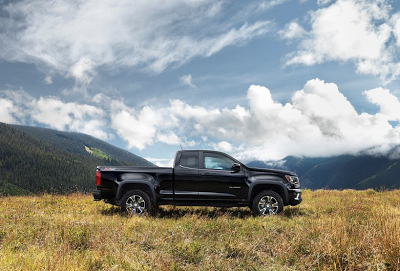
341,172
76,143
30,165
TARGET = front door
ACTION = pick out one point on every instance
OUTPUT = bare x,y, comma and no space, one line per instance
218,180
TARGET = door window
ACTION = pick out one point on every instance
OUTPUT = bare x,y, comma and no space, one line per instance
217,161
189,159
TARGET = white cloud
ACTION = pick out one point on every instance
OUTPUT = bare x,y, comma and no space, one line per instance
223,146
14,106
76,38
323,2
7,110
161,162
359,31
388,103
271,4
170,139
390,150
187,80
292,31
317,121
137,127
395,21
82,72
60,115
235,36
48,80
145,126
20,107
190,143
94,127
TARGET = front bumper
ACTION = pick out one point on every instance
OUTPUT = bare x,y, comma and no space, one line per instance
295,197
96,195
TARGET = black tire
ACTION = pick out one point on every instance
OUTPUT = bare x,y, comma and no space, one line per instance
136,202
266,203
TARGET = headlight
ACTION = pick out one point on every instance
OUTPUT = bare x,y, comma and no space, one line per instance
292,179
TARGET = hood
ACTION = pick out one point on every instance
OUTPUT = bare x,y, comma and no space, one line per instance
277,171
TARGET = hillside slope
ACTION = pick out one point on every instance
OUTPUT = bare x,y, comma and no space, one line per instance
76,143
30,165
341,172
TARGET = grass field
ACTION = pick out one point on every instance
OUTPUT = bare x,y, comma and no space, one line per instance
330,230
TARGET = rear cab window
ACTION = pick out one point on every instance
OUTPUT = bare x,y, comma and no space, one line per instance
189,159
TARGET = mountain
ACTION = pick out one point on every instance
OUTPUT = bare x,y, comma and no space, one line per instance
83,144
341,172
38,160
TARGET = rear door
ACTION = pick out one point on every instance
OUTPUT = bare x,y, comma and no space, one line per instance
186,176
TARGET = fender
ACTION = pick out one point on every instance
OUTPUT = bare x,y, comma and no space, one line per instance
136,178
276,181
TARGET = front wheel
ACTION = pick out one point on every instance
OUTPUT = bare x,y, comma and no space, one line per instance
135,202
267,202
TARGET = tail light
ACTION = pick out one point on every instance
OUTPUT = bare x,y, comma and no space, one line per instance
98,177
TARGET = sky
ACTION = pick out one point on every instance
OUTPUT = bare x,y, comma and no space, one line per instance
255,79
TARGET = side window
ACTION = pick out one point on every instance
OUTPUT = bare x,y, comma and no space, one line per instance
189,159
217,161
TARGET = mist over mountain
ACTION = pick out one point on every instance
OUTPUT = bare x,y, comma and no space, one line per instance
38,160
342,172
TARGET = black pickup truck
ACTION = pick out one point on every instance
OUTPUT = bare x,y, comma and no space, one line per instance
198,178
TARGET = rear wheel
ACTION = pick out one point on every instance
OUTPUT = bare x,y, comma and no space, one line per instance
135,202
267,202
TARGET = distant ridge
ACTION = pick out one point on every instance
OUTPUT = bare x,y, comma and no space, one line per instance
39,160
341,172
76,142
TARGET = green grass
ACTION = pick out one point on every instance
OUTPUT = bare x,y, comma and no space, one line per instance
330,230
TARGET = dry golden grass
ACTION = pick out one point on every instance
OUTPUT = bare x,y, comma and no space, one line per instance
330,230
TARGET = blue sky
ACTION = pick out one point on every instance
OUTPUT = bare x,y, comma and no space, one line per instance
256,79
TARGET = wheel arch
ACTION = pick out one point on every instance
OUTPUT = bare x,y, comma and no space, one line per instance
143,182
277,187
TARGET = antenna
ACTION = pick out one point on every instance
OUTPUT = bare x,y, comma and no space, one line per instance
181,146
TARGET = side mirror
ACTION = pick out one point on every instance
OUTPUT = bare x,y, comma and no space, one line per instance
235,167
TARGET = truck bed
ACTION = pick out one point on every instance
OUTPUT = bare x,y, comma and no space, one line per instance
125,169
